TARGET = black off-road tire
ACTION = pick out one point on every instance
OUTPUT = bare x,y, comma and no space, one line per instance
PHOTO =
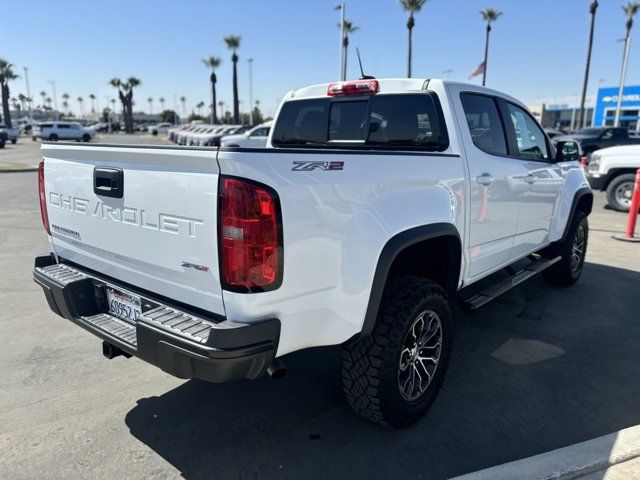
620,180
567,271
371,365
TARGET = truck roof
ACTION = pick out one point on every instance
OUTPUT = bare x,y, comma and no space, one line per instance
396,85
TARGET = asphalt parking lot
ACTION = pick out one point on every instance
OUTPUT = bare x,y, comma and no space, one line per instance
538,369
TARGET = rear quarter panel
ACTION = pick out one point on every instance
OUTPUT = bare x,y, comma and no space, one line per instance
335,224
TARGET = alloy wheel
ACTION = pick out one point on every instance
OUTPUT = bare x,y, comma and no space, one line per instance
420,355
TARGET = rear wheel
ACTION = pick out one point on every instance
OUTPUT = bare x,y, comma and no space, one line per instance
13,141
619,192
53,137
393,376
572,250
86,137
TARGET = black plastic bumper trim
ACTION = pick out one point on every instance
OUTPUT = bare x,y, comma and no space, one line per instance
231,351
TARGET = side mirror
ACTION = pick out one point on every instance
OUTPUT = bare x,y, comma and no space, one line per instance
567,151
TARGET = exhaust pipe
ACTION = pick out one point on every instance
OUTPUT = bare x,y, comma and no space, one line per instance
111,351
277,370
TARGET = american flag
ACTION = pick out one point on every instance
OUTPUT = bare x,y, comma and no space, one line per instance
478,71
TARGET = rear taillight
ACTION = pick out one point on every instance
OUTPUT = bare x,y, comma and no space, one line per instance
355,87
250,236
43,198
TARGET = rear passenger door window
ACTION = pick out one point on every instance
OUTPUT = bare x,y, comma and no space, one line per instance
485,126
531,143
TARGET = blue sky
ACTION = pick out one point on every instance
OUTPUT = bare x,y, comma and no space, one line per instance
538,46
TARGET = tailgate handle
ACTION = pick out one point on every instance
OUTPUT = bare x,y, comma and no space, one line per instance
108,182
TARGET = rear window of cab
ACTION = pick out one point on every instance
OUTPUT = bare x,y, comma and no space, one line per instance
383,121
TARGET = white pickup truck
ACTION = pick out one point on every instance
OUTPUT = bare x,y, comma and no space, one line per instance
613,170
376,204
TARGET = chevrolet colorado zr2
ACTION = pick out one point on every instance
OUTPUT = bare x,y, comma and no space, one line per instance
375,205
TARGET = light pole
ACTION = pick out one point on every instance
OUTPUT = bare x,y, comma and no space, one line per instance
250,61
26,81
55,98
623,74
341,7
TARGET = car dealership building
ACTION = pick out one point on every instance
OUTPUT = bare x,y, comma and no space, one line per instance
562,112
605,108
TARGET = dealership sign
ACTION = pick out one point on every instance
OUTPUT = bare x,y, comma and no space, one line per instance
634,97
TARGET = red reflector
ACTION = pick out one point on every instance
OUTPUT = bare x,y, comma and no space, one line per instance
583,161
355,87
43,198
249,236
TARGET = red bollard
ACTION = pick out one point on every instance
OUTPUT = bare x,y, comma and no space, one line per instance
633,213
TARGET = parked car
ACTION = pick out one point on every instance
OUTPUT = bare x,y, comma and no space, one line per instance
368,214
553,132
613,170
159,128
54,131
213,140
595,138
254,138
13,133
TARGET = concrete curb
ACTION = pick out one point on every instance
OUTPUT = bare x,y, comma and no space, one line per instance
568,462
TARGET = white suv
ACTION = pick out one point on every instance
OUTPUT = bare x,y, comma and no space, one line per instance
55,131
254,138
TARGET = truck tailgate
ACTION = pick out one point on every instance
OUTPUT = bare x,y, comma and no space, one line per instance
160,235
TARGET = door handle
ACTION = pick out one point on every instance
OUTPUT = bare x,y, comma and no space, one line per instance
485,179
530,179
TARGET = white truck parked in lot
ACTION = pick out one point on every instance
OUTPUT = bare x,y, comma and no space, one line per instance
376,204
613,170
12,133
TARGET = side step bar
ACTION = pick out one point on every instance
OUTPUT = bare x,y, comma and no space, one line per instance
517,277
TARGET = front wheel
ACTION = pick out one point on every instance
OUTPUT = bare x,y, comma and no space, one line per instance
620,191
573,251
86,137
393,376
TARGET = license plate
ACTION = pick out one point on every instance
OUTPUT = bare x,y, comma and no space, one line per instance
124,306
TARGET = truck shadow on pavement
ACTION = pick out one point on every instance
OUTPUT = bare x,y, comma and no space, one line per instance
538,369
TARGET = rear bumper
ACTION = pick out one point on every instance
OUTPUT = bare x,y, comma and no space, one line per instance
180,342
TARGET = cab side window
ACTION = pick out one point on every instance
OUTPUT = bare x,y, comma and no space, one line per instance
485,126
530,139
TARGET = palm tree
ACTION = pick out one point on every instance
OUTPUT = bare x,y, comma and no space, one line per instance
221,105
199,106
65,103
233,43
23,100
125,92
150,101
16,105
411,6
489,15
592,9
183,101
81,104
92,97
43,94
6,75
348,27
213,63
161,100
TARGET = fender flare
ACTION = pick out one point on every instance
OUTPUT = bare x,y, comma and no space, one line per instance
580,193
390,251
